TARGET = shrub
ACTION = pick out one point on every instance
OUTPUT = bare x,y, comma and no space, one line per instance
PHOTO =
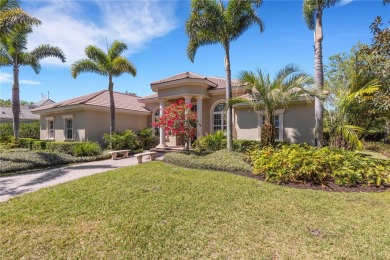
16,161
146,138
38,145
30,130
86,149
26,130
6,132
212,142
219,160
124,140
303,163
242,146
26,143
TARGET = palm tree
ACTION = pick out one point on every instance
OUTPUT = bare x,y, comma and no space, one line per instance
13,53
386,1
312,12
211,22
269,94
109,64
12,15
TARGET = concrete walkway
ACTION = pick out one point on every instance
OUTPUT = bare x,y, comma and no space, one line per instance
19,184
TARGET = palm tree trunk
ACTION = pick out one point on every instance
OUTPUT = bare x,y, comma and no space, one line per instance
229,116
112,105
16,103
318,80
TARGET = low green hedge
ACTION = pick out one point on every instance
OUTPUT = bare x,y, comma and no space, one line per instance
38,145
75,148
18,160
219,160
307,164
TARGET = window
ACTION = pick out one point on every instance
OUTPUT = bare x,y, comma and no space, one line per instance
68,128
156,117
219,120
50,128
276,124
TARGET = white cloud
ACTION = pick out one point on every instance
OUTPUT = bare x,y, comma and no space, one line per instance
72,25
344,2
8,79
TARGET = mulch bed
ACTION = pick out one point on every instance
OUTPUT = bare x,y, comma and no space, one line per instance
328,186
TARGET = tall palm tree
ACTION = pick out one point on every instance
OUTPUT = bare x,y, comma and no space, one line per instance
12,15
269,94
386,1
211,22
109,64
13,53
312,12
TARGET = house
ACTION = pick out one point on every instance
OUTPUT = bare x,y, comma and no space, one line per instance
87,117
6,115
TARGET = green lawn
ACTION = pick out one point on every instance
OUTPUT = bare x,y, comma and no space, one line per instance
155,210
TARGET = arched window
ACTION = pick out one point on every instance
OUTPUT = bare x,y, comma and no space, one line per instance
219,120
156,116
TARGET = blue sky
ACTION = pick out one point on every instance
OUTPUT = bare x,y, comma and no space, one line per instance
154,32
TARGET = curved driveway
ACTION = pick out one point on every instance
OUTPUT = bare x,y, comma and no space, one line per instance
19,184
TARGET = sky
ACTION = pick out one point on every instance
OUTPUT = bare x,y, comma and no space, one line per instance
156,39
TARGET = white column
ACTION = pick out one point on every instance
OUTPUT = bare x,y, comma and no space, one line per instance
199,112
187,99
162,132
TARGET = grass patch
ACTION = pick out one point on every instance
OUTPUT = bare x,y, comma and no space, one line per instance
219,160
161,211
19,160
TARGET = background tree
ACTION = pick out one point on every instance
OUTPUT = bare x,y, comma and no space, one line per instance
11,15
269,94
109,64
13,52
211,22
312,12
178,120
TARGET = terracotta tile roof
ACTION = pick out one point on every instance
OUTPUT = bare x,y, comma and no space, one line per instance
148,97
6,114
184,75
101,99
218,82
222,82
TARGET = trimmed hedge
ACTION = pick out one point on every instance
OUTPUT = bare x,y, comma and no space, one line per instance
17,160
74,148
306,164
219,160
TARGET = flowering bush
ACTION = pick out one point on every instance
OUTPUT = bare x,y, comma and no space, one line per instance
178,120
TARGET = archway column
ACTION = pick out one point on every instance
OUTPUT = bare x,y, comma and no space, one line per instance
162,129
199,113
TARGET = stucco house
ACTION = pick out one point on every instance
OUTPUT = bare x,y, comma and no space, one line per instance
87,117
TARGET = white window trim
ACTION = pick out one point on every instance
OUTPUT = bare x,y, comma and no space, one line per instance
216,103
48,119
278,112
64,117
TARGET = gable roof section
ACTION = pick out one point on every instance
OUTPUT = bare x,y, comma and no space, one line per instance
217,82
100,99
25,114
43,102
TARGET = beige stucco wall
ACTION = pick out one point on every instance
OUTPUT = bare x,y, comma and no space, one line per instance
298,123
98,122
59,125
182,90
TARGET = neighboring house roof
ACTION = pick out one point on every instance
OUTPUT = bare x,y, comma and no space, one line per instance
43,102
216,82
6,114
100,99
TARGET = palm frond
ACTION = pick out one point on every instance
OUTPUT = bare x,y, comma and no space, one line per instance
350,135
122,65
14,17
116,48
86,65
309,11
366,91
46,50
96,54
